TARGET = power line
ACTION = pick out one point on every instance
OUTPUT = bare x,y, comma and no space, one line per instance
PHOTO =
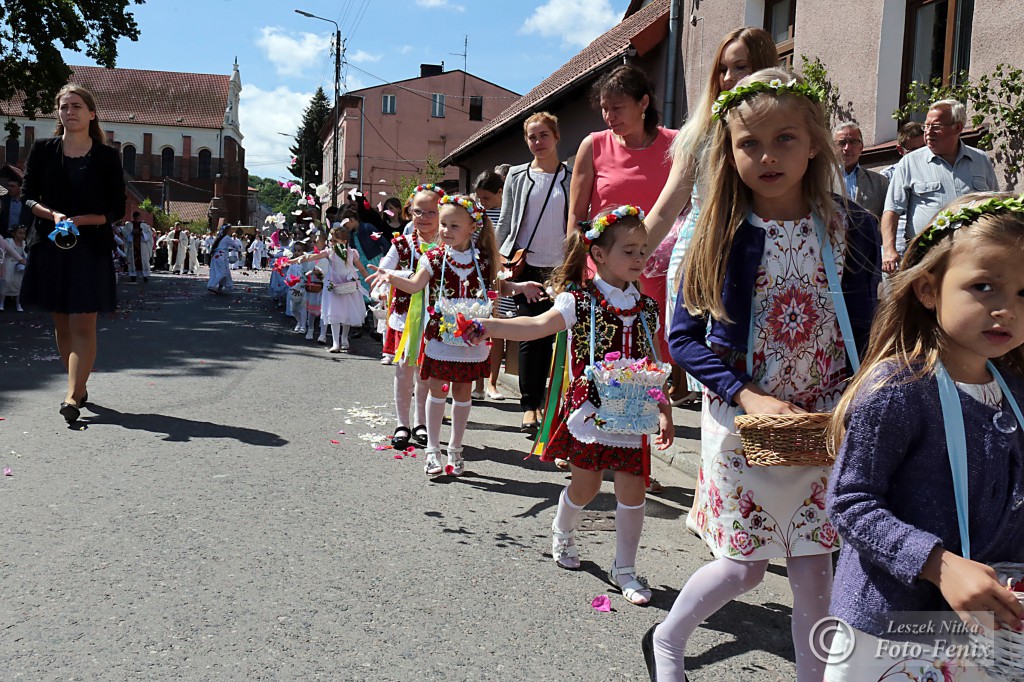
359,18
398,154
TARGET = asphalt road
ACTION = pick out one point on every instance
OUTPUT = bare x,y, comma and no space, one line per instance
201,523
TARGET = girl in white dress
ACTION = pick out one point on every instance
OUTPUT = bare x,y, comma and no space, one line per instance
12,268
343,304
762,292
220,281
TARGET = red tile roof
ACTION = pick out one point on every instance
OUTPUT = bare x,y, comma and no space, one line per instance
167,98
598,54
191,211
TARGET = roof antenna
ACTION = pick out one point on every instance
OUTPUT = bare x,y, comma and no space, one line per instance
464,54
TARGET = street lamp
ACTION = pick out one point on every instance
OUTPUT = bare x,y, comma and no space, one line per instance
337,90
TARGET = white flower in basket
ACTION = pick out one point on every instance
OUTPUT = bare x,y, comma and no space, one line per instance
471,309
1006,646
630,391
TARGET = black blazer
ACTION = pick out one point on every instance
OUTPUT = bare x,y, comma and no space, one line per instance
46,183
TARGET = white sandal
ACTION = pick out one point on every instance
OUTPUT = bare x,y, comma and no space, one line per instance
456,465
635,589
433,466
563,549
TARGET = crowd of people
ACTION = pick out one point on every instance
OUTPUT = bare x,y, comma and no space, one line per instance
746,261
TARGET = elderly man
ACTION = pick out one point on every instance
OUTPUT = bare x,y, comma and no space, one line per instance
927,179
863,186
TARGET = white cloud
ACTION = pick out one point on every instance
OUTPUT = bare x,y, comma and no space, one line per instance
440,4
291,55
405,49
264,114
576,22
361,56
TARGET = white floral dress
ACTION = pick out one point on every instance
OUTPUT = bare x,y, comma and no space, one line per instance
751,513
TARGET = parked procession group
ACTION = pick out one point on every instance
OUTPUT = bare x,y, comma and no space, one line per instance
746,262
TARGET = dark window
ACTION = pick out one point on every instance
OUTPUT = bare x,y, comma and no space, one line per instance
387,105
937,41
167,163
128,159
437,106
476,108
780,22
13,150
205,171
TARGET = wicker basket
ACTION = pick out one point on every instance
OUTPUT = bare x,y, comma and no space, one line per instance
792,440
1008,646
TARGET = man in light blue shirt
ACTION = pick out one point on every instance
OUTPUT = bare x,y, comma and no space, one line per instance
927,179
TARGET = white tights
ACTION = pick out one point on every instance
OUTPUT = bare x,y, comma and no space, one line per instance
435,415
338,340
716,584
300,316
407,384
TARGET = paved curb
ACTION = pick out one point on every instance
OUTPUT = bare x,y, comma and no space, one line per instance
684,455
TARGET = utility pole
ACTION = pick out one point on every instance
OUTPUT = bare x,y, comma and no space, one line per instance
338,48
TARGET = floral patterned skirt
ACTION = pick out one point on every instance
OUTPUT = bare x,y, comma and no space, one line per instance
593,456
751,513
859,657
455,372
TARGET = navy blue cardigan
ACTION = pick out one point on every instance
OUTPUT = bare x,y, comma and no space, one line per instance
689,337
891,498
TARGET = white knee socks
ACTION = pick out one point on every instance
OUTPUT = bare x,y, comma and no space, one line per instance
422,391
567,515
709,589
629,524
460,417
300,316
344,333
810,578
435,415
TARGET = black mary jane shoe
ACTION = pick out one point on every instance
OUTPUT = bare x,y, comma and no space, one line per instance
400,441
647,646
70,412
419,434
84,400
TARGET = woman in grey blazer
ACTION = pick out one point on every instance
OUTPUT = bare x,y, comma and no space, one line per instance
534,213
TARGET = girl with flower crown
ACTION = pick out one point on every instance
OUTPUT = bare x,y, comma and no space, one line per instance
403,258
342,304
946,357
778,290
461,276
612,341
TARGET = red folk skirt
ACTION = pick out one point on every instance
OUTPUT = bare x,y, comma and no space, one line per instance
593,456
455,372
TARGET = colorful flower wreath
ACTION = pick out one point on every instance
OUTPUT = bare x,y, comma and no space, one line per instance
429,187
731,98
474,209
594,228
950,220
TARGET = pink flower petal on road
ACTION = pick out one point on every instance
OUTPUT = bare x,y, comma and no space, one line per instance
602,603
382,447
341,433
336,442
399,457
8,472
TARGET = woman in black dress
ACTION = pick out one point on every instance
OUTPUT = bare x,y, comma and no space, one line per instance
74,176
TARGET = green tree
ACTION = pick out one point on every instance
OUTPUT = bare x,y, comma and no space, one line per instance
271,193
33,31
432,173
308,150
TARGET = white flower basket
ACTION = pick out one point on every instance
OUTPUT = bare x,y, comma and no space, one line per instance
1008,646
626,404
471,309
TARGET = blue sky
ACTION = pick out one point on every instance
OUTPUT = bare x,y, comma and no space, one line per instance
283,56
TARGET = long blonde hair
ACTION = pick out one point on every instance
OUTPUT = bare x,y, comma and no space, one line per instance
726,201
761,54
95,129
906,339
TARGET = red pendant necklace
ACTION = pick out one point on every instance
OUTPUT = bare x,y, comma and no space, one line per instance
621,312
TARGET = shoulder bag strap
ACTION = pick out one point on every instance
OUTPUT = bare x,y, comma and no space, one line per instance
956,446
835,287
540,216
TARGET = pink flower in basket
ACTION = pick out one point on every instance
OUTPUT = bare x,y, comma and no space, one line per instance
492,295
612,357
658,395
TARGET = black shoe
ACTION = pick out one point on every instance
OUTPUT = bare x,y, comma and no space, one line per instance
145,279
647,647
134,278
529,427
419,434
69,412
400,441
84,400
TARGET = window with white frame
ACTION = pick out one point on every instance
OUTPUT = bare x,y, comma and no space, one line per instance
387,105
437,106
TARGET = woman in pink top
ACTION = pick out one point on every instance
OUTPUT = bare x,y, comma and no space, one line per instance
627,164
